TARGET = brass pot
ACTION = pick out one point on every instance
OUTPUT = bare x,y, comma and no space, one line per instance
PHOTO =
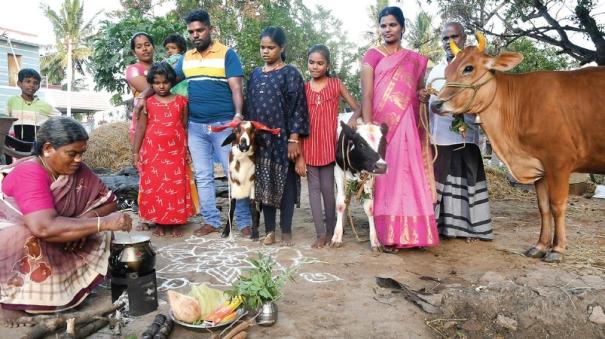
268,314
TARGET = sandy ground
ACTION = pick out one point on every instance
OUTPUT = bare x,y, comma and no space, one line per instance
336,295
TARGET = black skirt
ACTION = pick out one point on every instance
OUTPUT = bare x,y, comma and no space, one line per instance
462,208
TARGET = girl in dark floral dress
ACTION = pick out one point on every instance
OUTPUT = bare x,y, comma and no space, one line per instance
276,97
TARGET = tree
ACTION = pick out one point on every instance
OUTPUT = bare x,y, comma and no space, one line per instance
537,57
238,24
112,52
552,22
373,35
71,38
423,38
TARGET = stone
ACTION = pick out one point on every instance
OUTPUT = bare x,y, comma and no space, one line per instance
506,322
597,316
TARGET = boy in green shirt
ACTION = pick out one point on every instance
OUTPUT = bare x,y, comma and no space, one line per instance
30,110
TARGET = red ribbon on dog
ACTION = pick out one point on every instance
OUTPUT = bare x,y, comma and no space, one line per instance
257,125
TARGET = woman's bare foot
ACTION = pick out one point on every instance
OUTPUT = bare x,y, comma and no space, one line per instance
175,232
320,242
286,239
159,231
10,318
143,226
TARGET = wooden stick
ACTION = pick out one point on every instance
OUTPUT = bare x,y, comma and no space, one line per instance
41,330
91,328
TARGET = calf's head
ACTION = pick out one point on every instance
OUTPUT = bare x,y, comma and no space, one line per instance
470,85
368,147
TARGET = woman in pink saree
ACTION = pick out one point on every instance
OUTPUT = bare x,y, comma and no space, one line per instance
403,197
54,217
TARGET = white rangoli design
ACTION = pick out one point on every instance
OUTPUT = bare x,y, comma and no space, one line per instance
224,260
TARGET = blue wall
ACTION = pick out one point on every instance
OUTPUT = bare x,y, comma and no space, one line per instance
30,58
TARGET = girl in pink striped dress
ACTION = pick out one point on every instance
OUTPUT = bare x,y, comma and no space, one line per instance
319,149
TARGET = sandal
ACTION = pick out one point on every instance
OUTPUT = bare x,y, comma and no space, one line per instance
269,239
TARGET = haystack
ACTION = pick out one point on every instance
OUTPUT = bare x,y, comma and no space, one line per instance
109,147
499,188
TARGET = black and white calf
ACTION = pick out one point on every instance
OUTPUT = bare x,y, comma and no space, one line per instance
358,151
242,168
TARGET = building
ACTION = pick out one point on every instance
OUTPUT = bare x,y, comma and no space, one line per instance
17,50
22,50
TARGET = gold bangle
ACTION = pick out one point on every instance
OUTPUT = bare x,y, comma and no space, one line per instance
293,141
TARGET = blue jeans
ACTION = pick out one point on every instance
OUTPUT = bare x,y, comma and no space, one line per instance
205,146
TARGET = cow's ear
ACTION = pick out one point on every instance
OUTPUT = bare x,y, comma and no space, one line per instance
348,131
384,128
229,139
504,61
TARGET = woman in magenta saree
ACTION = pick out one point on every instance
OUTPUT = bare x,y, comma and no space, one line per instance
403,197
54,214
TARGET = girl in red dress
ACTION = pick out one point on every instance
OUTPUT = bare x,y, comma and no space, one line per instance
160,154
319,149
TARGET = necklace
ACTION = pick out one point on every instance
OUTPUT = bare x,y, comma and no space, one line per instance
277,65
47,168
389,52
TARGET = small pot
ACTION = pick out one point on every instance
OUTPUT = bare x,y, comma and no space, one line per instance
131,256
268,314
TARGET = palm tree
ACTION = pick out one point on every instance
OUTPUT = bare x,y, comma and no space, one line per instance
423,38
373,35
71,50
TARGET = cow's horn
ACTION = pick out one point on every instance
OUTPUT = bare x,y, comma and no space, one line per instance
455,49
480,40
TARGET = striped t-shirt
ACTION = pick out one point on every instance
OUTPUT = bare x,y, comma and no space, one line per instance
210,97
319,148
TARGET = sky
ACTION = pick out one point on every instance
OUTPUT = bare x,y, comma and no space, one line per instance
26,15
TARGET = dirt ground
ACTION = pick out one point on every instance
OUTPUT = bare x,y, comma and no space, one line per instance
484,289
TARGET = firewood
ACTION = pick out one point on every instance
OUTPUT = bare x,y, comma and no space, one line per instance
241,335
51,325
237,329
91,328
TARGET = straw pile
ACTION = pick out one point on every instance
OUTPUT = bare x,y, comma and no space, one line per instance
499,187
109,147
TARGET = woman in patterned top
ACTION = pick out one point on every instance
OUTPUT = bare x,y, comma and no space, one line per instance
276,97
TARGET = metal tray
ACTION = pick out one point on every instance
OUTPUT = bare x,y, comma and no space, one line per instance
241,312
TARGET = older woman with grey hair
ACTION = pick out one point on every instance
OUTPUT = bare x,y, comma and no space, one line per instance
55,221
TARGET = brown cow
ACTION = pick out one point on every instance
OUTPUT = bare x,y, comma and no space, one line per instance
543,125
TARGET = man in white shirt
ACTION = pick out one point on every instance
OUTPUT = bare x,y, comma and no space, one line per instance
462,208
